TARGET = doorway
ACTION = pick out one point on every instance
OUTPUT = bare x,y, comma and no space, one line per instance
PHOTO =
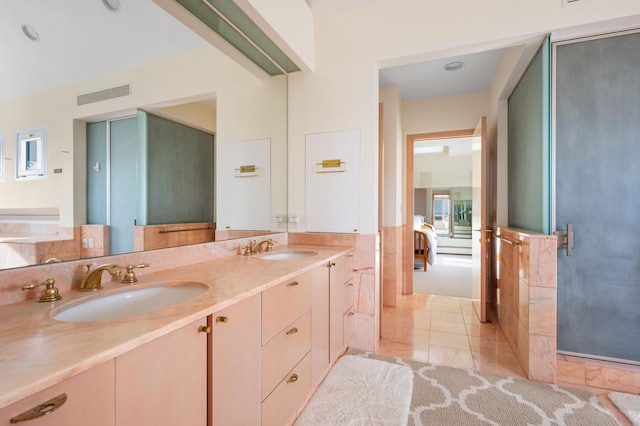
482,231
430,169
442,211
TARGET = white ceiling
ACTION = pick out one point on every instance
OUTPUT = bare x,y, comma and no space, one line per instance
431,80
80,39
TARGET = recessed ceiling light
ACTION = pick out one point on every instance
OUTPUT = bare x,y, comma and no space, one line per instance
30,33
454,66
112,5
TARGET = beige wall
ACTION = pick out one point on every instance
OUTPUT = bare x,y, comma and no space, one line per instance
342,93
247,108
392,157
458,112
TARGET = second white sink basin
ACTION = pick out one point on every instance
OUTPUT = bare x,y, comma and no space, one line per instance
288,255
128,303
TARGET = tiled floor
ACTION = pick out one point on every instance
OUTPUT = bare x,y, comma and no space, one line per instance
447,331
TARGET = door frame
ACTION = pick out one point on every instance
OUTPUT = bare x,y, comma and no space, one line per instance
409,202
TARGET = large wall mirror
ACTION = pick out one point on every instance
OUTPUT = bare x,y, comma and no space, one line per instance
114,71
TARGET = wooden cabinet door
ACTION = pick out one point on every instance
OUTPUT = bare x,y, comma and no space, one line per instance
89,401
164,382
319,323
235,364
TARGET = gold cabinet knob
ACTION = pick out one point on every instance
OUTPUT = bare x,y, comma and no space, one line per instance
222,319
351,313
294,330
292,284
204,329
331,265
293,378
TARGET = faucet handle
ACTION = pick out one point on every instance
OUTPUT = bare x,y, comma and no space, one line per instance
130,275
270,243
50,292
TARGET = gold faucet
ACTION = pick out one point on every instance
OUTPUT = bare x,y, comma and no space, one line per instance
254,247
92,279
130,276
49,293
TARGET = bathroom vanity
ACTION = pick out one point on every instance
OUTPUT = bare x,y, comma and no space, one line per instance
249,350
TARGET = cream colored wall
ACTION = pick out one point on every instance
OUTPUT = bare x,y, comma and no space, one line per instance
459,112
446,171
392,137
247,108
342,93
194,114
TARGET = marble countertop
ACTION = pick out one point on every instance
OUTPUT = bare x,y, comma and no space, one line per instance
37,351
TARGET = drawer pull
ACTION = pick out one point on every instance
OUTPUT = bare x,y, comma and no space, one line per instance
294,330
349,284
351,313
293,378
292,284
41,410
331,265
204,329
222,319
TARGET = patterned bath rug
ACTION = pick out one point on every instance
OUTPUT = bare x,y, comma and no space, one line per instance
360,391
452,396
629,404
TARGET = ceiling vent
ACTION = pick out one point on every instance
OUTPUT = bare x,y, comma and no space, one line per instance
103,95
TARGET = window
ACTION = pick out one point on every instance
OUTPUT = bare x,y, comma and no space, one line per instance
31,154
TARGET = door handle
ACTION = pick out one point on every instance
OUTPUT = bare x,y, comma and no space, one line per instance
565,239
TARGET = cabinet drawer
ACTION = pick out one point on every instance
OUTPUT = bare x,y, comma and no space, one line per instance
289,395
284,303
348,295
284,351
348,325
342,269
90,400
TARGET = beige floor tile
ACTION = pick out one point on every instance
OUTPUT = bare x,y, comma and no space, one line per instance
448,327
410,335
408,350
493,334
410,321
451,357
446,307
449,340
447,316
482,344
494,355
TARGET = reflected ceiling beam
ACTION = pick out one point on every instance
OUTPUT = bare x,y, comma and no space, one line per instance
227,26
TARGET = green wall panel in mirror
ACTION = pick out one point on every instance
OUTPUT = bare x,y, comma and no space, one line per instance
179,168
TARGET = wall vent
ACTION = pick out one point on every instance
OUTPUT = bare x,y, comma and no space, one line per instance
103,95
566,3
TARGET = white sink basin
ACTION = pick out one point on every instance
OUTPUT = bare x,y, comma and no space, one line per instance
128,303
288,255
